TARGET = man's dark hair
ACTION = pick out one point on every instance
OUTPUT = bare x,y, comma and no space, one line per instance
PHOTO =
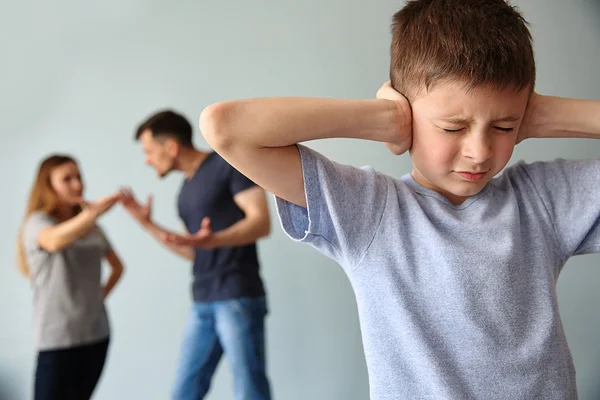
168,124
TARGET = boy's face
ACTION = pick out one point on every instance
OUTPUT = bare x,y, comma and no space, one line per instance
463,138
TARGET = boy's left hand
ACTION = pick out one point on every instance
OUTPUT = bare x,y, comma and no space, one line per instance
532,120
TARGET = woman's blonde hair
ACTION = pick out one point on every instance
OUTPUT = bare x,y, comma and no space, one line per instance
41,198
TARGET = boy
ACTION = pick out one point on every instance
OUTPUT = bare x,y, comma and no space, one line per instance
454,269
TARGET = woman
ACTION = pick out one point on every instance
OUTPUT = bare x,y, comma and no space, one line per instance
61,251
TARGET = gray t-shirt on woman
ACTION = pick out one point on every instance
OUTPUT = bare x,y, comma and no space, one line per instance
68,303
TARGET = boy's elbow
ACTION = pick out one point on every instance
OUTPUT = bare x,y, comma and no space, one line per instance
215,125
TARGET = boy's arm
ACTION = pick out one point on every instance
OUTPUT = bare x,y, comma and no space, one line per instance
568,188
558,117
257,136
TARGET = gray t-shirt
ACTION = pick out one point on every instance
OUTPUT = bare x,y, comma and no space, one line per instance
455,301
68,303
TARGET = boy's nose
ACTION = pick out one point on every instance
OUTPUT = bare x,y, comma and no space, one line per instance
478,148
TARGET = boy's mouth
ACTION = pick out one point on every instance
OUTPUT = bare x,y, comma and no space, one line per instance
471,176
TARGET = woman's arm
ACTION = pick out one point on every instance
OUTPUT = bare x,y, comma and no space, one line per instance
116,272
57,237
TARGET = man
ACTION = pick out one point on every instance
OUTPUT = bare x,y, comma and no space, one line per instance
225,214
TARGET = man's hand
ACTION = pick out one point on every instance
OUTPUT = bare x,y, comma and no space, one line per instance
142,213
404,124
203,239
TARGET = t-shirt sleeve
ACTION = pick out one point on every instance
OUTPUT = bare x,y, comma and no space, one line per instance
345,205
238,182
34,254
33,226
570,191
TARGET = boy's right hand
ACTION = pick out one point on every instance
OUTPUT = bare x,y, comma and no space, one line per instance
404,126
142,213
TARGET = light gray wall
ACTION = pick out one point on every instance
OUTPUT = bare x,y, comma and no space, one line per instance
78,77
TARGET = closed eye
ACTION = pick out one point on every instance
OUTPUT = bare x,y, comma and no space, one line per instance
504,129
452,130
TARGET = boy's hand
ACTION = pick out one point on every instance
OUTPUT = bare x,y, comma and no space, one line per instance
560,117
532,120
404,128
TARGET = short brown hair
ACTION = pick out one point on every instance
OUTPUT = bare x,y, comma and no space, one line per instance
478,42
167,123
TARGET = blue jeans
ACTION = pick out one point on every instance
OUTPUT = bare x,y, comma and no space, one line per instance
234,327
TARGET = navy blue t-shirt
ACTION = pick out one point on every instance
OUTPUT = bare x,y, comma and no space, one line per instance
226,272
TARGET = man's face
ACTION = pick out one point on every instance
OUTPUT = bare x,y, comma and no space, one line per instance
159,154
463,138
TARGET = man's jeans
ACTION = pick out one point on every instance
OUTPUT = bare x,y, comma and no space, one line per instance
234,327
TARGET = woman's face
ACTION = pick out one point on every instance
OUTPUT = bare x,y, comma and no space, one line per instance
67,183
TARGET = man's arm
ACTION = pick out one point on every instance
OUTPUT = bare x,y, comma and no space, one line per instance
258,136
160,234
255,225
558,117
142,213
